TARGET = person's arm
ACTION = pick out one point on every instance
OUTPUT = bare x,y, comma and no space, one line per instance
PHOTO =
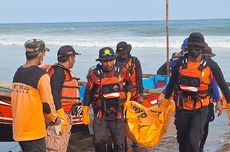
216,97
218,75
215,91
47,98
56,82
139,76
87,97
163,69
88,90
173,80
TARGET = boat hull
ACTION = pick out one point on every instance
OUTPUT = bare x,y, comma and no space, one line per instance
6,116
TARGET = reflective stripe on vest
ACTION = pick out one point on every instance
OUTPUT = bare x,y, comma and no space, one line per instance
112,95
189,88
109,87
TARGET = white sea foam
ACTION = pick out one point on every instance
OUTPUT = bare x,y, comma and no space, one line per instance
100,41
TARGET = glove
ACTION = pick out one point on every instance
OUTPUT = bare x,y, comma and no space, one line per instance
64,120
127,104
86,118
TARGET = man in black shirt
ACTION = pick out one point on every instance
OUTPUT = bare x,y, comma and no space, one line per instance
65,93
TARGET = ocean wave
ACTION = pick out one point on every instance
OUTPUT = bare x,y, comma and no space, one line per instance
100,41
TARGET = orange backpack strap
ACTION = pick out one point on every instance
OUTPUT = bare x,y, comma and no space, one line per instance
49,68
133,60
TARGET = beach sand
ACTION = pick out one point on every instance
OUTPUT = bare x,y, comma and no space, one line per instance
83,142
216,142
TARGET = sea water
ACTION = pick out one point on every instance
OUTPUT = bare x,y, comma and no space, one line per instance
148,42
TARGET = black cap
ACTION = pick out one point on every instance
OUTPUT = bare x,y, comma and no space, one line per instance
207,51
65,51
106,53
196,38
123,48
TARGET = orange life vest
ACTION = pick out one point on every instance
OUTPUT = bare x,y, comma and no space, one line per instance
193,85
70,89
110,95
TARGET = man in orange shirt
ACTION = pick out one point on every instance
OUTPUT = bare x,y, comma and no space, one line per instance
31,96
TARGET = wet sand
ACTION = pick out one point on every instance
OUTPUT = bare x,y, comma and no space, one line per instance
218,140
83,142
225,147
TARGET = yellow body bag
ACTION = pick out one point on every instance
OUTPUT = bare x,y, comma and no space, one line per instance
147,125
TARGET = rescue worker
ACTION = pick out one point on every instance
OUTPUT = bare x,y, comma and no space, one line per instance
184,47
163,69
31,96
106,89
214,97
173,61
65,90
190,81
133,66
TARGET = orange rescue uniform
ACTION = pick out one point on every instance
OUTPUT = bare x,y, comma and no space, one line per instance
30,91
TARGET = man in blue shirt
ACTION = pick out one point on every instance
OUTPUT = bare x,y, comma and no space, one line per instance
175,56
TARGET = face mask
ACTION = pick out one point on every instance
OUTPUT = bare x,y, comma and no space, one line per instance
194,53
123,58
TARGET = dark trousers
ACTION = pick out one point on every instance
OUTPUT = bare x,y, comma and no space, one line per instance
203,140
210,118
103,128
38,145
190,128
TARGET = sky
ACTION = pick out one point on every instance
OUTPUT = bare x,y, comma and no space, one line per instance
33,11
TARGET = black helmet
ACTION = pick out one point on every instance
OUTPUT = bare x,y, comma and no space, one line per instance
123,48
207,51
106,53
196,38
